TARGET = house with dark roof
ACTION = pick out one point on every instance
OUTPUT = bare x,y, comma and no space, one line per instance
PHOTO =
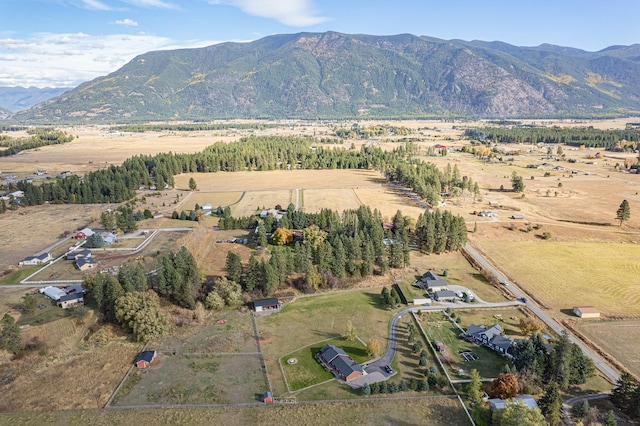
74,255
266,304
337,361
85,263
71,300
489,336
145,358
431,282
445,296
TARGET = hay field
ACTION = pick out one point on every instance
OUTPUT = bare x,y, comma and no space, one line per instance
567,274
620,339
214,198
255,200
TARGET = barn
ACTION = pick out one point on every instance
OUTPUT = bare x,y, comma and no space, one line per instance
586,312
145,358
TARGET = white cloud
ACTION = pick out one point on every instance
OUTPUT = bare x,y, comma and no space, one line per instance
95,4
127,22
66,60
295,13
153,3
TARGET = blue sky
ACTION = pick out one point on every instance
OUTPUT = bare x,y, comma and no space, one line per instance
61,43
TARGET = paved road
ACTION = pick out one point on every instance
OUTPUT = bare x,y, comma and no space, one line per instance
609,372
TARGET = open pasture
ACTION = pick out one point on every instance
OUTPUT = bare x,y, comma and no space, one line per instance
214,363
619,339
567,274
216,199
438,411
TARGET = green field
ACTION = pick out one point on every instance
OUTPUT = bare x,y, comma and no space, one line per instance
563,274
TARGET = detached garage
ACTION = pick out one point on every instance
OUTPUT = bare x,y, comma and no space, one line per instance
586,312
266,304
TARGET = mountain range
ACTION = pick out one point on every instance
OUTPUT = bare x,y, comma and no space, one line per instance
335,75
20,98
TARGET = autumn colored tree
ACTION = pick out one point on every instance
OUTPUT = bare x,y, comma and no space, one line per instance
373,347
529,325
282,236
504,386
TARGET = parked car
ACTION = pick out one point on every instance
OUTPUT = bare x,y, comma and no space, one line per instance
506,283
523,299
388,369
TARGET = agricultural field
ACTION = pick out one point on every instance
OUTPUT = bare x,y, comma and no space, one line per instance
438,411
562,271
618,338
215,363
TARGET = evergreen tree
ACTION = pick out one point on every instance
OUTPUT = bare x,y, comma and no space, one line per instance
253,273
11,340
474,388
551,404
192,184
624,212
234,267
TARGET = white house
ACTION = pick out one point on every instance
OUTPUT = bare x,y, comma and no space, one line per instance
36,260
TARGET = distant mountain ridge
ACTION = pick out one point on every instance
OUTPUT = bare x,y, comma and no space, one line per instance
20,98
334,75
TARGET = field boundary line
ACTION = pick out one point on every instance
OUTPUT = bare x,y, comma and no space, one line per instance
286,382
312,386
124,379
264,364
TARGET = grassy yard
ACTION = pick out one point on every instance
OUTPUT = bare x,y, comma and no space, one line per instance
438,328
313,319
508,318
307,370
563,270
49,313
20,274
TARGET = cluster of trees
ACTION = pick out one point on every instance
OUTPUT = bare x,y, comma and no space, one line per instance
178,278
395,387
626,395
128,301
11,340
565,364
38,137
123,218
587,136
224,293
357,132
437,232
390,298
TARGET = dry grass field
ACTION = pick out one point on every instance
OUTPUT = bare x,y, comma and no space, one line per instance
566,274
438,411
618,338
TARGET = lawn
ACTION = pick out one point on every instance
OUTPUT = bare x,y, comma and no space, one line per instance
38,316
439,329
309,320
307,370
563,270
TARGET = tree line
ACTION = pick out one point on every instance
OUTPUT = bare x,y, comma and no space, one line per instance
191,127
576,136
39,137
115,184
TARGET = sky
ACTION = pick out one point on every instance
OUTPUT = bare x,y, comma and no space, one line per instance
62,43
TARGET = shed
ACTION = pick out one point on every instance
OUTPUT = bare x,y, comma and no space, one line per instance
586,312
267,398
145,358
517,216
266,304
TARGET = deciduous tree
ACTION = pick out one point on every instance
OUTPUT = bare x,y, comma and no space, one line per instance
504,386
350,332
373,347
